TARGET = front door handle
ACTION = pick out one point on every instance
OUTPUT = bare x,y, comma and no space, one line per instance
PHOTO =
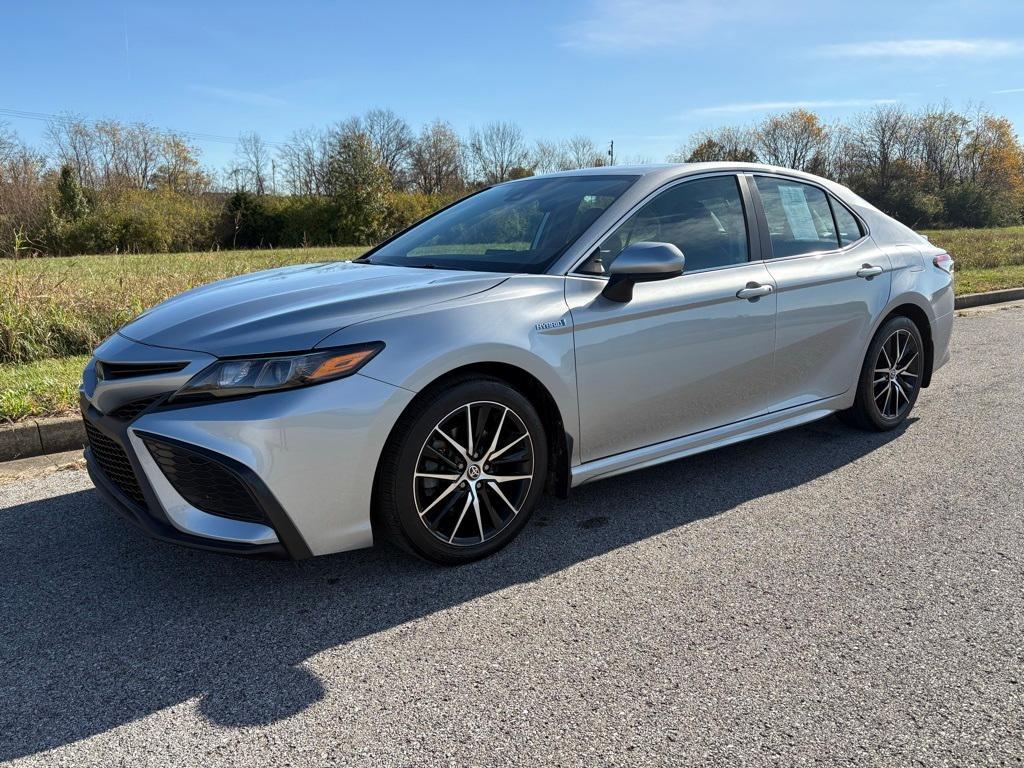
754,291
868,271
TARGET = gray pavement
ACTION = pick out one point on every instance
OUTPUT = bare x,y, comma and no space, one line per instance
818,597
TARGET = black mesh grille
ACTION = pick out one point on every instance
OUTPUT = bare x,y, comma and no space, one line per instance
204,483
129,411
114,463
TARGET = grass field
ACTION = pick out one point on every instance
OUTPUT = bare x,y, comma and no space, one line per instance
54,311
42,388
65,306
986,259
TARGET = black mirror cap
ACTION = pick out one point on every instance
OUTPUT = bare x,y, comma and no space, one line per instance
642,263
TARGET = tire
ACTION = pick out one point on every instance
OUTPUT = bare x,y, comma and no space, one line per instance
885,395
428,494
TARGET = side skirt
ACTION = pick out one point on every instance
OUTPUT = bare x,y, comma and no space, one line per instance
670,450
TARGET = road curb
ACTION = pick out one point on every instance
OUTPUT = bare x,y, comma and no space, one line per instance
992,297
37,437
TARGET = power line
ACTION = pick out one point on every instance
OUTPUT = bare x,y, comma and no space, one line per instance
46,117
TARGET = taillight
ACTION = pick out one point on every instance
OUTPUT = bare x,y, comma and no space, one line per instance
944,262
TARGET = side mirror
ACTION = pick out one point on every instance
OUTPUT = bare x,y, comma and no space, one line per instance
642,263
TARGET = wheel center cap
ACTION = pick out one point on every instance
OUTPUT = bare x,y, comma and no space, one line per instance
473,472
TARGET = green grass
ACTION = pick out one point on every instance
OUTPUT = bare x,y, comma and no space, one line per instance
975,249
42,388
54,307
54,311
986,259
984,280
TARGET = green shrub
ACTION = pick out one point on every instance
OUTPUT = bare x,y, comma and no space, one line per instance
406,208
133,221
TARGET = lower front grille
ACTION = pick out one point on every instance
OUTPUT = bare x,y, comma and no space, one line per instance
205,483
114,463
130,410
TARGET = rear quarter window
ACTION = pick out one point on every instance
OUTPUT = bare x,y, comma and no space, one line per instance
848,226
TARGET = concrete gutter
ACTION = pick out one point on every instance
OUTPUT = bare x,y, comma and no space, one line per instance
38,437
992,297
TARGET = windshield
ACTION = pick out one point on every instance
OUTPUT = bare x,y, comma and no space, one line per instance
518,227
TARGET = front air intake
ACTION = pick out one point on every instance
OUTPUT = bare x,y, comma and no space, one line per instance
204,482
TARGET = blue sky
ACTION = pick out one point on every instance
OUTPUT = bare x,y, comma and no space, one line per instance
646,74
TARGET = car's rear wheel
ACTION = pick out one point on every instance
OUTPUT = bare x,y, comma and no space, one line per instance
462,472
890,378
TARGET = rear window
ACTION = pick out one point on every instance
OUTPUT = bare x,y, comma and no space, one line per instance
799,217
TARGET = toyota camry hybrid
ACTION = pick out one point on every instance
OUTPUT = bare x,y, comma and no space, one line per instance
534,336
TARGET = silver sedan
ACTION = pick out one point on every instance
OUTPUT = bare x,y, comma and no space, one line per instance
532,337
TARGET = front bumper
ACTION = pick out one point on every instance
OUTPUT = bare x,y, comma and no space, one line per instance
306,458
140,494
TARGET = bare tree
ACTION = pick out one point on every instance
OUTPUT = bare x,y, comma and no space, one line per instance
942,139
303,162
435,161
881,139
498,151
393,140
581,152
23,198
143,146
548,156
73,143
252,162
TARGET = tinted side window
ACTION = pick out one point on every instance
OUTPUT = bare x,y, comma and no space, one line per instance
703,218
799,218
846,223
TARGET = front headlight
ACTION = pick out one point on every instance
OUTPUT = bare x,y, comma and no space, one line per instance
230,378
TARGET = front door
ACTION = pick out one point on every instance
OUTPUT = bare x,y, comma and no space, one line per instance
685,354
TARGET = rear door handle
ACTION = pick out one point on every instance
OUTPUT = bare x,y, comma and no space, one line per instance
869,270
753,291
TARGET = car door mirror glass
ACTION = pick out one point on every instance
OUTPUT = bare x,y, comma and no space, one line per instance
641,263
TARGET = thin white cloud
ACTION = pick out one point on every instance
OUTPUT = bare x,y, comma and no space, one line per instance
772,106
248,98
980,48
1010,90
617,25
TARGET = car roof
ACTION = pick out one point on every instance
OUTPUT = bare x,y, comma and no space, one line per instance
667,171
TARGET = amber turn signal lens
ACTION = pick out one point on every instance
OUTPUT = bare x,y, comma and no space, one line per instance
340,364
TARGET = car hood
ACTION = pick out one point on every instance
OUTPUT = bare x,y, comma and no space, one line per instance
292,308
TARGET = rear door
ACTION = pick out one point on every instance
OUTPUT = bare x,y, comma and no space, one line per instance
831,282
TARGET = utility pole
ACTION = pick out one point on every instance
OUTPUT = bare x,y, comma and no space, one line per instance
611,152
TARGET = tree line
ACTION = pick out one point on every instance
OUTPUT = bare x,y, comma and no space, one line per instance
935,168
106,186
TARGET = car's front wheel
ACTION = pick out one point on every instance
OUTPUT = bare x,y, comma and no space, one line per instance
463,471
890,378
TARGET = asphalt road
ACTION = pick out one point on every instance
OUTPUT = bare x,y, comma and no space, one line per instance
822,596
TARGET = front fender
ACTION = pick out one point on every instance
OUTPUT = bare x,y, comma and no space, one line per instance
524,323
